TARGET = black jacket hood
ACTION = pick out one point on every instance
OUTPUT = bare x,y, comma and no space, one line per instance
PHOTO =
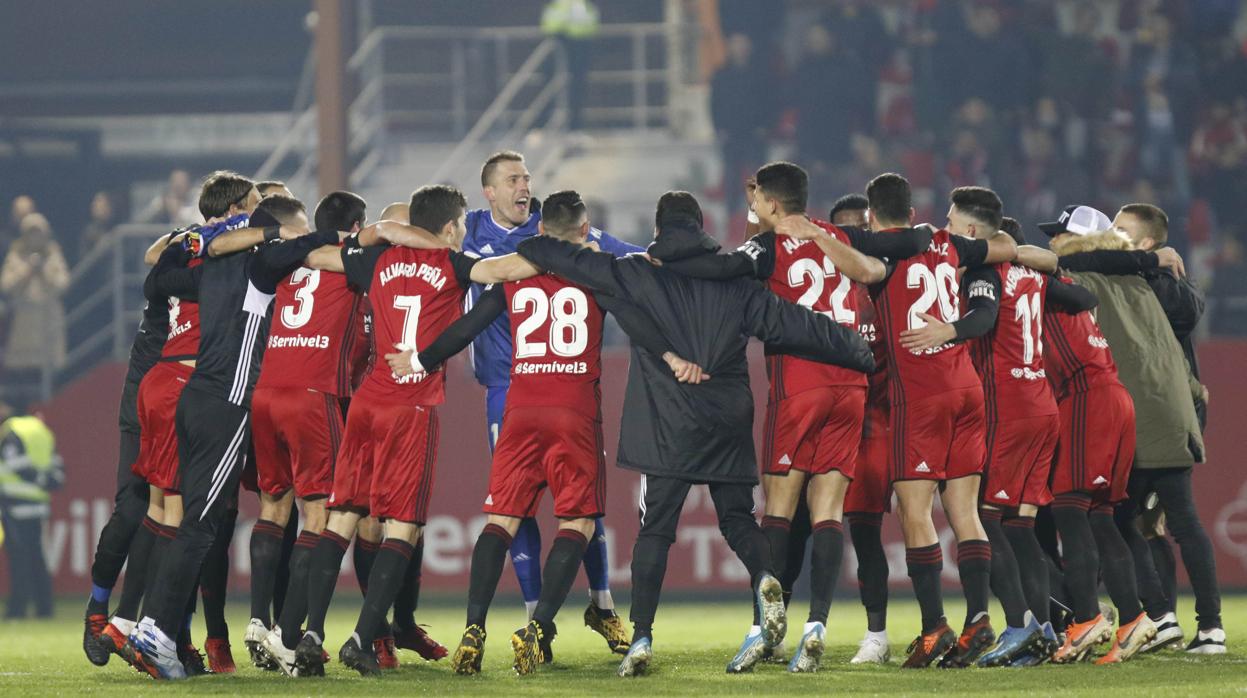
681,238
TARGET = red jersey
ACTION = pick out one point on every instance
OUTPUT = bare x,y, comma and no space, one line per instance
556,332
415,296
1009,358
877,382
316,334
1076,356
799,272
183,341
927,283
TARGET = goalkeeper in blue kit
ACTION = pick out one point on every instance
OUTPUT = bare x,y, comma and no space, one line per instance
509,220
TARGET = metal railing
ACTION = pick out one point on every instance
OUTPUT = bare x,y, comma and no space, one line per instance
469,82
555,89
497,83
109,280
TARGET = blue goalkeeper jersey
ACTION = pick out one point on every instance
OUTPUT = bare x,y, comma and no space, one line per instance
491,350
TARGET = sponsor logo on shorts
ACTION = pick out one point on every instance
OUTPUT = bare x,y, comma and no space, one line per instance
1026,373
1097,342
785,460
1001,495
923,468
489,500
1099,480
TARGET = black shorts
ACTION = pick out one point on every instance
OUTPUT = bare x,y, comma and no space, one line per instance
214,435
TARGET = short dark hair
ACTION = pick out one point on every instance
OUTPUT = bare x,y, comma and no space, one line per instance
269,184
1013,229
340,210
677,204
435,205
890,197
1154,218
220,190
280,207
562,212
491,164
849,202
980,203
786,183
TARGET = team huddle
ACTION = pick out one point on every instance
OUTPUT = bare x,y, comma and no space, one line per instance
303,358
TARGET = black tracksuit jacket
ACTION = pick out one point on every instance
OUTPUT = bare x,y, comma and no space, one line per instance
699,433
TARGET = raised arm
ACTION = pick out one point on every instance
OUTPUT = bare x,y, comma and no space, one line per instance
274,261
1067,297
1124,262
326,258
508,267
153,251
232,241
401,234
893,245
812,335
614,245
972,252
850,262
1037,258
171,277
573,262
1000,248
754,259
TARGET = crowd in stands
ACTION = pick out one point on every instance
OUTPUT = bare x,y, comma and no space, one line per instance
35,271
1044,101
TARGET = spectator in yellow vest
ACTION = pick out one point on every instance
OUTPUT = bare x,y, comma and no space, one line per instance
573,23
30,470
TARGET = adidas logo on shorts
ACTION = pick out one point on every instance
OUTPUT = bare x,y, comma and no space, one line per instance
922,468
785,460
489,500
1099,480
1001,495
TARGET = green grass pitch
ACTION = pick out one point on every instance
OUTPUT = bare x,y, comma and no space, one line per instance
693,643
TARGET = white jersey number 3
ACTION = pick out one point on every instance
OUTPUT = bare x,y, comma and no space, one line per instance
567,311
296,316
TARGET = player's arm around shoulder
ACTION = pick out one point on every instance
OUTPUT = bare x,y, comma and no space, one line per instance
508,267
853,264
401,234
1000,248
1037,258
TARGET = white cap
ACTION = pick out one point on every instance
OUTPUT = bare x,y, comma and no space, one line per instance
1079,220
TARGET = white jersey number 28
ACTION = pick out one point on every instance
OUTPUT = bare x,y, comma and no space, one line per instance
567,311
